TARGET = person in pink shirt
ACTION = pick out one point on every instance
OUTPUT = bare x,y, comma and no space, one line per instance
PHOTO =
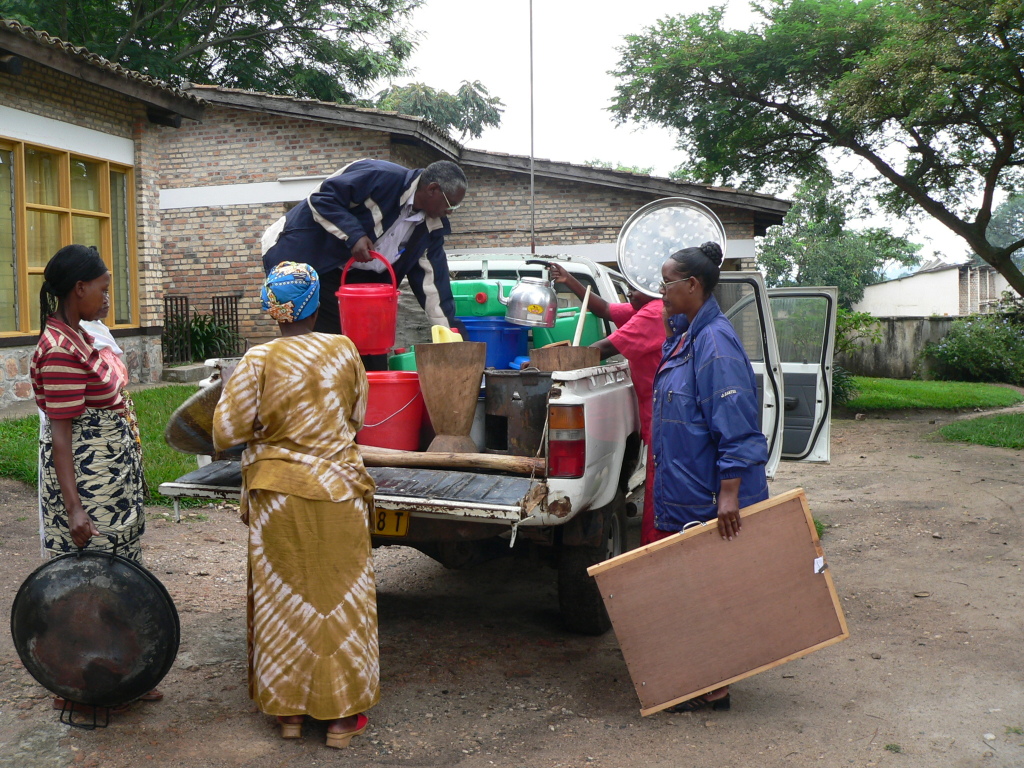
639,338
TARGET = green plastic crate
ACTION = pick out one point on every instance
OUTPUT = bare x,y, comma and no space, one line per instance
403,361
466,292
565,329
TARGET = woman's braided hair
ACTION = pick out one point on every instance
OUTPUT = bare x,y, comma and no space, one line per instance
71,265
704,263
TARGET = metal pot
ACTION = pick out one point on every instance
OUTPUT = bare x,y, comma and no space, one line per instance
532,301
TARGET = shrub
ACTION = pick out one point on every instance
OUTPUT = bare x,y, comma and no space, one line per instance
209,337
212,338
981,348
852,326
844,388
1011,306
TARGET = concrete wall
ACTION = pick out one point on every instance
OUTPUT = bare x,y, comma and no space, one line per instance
920,295
44,107
897,355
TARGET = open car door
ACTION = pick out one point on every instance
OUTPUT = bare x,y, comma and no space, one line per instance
805,327
744,300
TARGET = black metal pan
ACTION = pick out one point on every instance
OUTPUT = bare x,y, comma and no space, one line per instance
95,628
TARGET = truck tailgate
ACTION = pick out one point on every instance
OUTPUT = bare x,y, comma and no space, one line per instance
464,494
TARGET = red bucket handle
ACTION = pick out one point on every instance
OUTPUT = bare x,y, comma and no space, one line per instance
394,281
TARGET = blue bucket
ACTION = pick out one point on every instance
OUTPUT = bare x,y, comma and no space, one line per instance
504,340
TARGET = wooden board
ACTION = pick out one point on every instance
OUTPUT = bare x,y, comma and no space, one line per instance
563,358
694,612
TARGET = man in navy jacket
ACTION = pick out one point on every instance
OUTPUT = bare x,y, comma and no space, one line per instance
374,205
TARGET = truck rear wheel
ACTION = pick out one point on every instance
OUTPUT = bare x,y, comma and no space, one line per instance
579,599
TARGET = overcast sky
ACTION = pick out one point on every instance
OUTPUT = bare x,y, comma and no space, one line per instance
574,47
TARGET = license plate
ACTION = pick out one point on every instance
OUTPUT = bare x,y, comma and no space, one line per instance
390,522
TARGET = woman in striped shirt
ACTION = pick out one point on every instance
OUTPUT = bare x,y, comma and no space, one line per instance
90,463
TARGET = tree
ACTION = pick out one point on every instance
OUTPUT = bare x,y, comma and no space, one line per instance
468,111
322,49
814,247
1007,225
928,94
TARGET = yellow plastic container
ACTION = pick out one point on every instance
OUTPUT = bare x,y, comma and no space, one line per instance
441,335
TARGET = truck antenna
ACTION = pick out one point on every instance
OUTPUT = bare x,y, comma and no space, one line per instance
533,209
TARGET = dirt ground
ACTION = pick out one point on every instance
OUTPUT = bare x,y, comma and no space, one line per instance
924,546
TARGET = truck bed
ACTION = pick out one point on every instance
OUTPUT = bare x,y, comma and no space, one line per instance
466,494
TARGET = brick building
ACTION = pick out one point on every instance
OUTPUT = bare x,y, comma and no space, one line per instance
224,180
78,149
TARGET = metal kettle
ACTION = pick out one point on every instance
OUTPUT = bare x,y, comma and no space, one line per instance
532,301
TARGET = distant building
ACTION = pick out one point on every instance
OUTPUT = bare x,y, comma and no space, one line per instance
937,288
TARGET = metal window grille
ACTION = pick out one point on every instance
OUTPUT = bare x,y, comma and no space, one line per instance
177,336
225,312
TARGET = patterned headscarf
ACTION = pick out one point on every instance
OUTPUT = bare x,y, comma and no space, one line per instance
291,292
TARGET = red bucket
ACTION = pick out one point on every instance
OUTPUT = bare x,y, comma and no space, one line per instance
394,411
369,312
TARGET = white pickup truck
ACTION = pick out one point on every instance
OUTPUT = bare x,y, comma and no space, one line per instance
586,424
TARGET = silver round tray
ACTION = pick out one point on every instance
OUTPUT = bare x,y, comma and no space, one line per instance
656,231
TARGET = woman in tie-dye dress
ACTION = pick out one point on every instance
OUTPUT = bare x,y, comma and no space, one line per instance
298,401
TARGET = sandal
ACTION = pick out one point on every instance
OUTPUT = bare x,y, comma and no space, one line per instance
291,726
340,739
701,702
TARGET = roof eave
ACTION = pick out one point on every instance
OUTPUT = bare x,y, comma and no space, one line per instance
338,114
62,61
768,210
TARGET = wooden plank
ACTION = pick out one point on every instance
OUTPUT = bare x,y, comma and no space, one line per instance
562,358
386,457
694,612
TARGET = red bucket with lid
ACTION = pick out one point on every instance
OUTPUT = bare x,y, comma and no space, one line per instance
369,311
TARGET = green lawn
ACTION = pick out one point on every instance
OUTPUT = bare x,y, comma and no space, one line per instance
20,457
20,438
161,462
899,394
1004,431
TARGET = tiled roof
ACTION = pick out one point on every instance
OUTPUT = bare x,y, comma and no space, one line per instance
625,174
300,102
47,40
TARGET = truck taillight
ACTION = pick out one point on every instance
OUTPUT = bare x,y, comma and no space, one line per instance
567,441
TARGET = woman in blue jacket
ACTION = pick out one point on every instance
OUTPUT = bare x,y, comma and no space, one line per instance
707,442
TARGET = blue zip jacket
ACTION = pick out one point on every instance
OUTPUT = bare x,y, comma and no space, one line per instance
365,198
706,422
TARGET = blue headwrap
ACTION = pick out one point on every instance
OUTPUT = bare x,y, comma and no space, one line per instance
291,292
